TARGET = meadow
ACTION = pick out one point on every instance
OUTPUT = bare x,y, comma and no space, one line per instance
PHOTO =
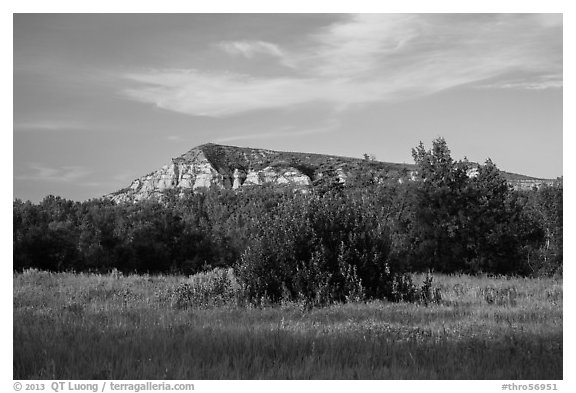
112,326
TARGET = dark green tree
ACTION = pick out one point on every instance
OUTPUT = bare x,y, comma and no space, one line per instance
467,217
441,201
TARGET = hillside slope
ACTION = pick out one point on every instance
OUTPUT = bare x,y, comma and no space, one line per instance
229,167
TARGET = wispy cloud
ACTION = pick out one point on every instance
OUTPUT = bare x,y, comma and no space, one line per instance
64,174
250,49
363,44
540,82
371,58
209,94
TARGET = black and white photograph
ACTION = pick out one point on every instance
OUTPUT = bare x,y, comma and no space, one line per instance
286,196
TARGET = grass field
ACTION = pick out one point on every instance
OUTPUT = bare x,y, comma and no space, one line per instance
88,326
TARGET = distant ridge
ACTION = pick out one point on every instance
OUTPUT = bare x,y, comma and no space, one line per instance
229,167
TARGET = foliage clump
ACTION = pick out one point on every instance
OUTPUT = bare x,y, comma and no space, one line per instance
215,288
321,249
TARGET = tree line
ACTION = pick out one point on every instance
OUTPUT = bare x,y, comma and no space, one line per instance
335,242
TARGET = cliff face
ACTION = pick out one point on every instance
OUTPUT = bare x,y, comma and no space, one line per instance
214,166
194,172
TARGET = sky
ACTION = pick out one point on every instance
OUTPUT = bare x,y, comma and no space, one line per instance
102,99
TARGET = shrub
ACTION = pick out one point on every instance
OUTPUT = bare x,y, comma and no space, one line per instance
324,249
403,289
316,249
216,287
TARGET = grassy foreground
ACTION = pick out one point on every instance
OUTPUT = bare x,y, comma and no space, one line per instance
88,326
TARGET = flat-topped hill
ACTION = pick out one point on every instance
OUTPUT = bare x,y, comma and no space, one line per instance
230,167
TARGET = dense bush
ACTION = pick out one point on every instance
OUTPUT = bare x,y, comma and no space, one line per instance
320,249
206,289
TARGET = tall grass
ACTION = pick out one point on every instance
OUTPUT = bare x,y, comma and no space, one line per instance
91,326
